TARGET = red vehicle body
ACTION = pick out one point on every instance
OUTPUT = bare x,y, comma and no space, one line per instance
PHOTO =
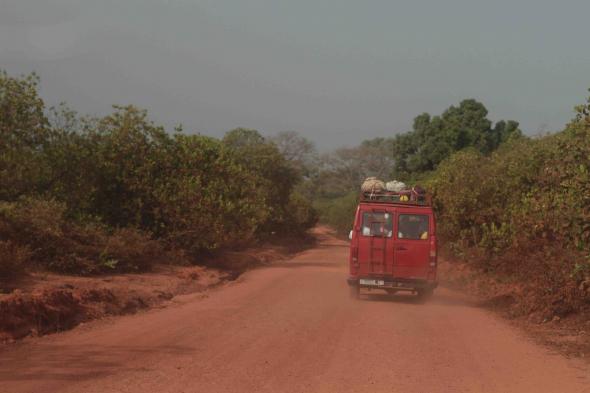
393,245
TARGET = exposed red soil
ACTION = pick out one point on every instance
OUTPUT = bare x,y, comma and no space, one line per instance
569,334
43,303
52,303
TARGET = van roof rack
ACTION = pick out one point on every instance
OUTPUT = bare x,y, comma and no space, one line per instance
405,197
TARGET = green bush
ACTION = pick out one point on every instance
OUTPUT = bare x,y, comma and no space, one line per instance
301,213
128,250
91,195
24,131
56,243
525,208
338,212
275,178
209,200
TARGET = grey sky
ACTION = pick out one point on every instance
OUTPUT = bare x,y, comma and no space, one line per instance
337,71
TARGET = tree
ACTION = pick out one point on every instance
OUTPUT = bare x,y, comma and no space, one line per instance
345,169
277,178
298,150
23,133
433,139
109,168
22,119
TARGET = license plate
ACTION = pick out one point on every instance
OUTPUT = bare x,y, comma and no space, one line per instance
365,281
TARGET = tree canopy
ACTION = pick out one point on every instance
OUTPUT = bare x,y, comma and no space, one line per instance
433,139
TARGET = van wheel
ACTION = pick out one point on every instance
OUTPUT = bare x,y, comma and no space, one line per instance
355,291
425,294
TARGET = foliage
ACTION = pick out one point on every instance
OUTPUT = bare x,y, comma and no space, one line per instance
338,212
301,214
23,132
414,156
128,249
54,242
276,178
433,139
517,207
208,200
345,169
88,195
537,188
300,152
526,207
13,259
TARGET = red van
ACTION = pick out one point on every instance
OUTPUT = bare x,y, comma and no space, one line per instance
393,244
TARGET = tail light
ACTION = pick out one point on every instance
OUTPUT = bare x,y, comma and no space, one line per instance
433,259
354,260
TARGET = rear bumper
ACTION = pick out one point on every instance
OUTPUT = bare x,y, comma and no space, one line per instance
401,284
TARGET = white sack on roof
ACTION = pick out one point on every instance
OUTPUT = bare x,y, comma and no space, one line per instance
395,186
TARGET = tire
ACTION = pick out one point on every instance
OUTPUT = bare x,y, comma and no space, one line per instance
425,294
355,291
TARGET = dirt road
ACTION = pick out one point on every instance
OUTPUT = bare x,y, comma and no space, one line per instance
293,328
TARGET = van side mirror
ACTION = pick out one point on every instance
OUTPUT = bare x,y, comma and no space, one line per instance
350,235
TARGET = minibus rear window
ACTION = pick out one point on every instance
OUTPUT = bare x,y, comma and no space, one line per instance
413,226
377,224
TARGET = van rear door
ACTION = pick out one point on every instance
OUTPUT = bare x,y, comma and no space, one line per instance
375,241
413,229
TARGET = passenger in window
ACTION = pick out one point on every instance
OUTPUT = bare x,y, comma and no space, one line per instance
412,227
423,229
377,224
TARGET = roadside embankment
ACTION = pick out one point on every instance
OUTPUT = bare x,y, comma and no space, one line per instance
568,333
43,303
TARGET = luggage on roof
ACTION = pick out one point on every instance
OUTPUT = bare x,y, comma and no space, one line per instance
375,190
395,186
372,184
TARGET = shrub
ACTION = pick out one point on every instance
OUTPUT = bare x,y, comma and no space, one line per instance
275,178
301,213
338,212
91,195
23,133
36,223
13,258
54,242
526,209
208,200
130,250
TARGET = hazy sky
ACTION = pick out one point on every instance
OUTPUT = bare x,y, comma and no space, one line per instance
337,71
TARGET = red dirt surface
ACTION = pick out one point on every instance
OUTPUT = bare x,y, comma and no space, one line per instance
291,327
52,303
568,334
42,303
